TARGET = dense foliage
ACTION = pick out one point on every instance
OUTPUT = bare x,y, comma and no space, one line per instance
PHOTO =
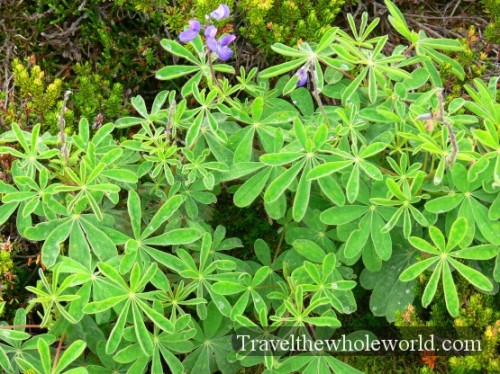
373,179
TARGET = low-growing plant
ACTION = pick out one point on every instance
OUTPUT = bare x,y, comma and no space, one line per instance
355,157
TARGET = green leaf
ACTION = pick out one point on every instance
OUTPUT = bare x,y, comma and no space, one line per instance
430,289
309,250
178,50
442,44
489,229
342,214
479,252
175,71
457,233
301,201
423,245
285,50
474,277
354,85
352,187
175,237
372,149
44,350
327,169
243,152
283,158
398,21
280,184
450,291
51,246
101,244
437,238
382,241
273,71
135,212
327,39
116,334
228,288
101,306
395,189
141,332
416,269
163,214
330,187
252,188
357,239
70,354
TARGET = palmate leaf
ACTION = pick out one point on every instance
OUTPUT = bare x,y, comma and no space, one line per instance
131,301
445,257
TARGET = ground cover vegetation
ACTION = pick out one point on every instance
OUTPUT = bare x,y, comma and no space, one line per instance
350,180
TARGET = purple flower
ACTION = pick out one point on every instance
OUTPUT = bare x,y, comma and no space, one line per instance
210,32
191,33
302,75
221,46
221,12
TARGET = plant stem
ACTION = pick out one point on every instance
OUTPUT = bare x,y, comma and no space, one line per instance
316,94
61,124
21,327
278,249
211,66
58,351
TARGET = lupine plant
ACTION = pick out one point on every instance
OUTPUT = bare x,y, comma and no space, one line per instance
371,177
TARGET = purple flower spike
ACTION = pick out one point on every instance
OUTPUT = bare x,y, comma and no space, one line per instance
302,74
220,47
191,33
221,12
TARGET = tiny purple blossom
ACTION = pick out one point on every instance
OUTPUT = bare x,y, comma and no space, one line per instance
221,12
191,33
220,47
302,75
